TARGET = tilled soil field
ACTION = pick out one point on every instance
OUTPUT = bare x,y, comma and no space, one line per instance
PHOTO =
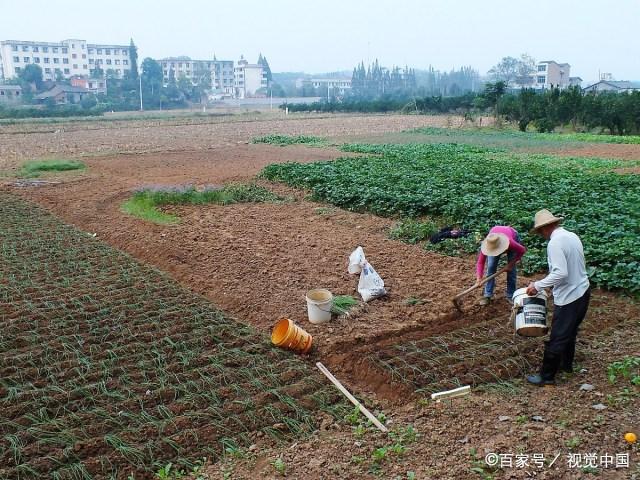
21,142
256,261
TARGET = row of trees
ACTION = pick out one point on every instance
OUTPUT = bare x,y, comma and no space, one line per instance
618,113
389,103
124,93
375,80
452,83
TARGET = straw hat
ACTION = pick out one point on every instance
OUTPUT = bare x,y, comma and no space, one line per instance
495,244
544,217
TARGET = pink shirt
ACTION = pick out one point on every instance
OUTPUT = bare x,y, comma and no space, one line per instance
514,246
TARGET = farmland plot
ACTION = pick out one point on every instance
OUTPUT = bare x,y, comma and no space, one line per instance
108,367
478,187
516,138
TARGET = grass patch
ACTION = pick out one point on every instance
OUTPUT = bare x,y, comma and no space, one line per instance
143,207
284,140
413,301
506,388
144,203
34,168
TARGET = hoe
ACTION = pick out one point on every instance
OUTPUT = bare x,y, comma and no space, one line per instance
456,299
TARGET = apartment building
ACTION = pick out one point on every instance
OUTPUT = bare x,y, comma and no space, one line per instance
249,79
551,74
335,86
68,58
220,71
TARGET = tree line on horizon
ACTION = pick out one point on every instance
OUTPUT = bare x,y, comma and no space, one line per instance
544,111
375,80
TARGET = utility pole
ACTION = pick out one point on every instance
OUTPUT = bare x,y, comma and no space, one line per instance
140,82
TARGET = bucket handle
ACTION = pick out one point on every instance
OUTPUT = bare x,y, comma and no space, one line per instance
325,311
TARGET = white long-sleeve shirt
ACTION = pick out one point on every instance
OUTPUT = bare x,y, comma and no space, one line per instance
567,270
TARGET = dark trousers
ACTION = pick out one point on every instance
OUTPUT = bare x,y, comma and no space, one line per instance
561,347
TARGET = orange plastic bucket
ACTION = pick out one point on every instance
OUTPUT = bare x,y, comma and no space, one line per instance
288,335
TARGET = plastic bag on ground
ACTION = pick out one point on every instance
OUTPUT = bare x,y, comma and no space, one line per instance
356,260
371,284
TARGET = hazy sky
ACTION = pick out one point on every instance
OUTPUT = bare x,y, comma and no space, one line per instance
331,35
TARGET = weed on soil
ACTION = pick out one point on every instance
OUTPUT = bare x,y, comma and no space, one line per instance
35,168
143,204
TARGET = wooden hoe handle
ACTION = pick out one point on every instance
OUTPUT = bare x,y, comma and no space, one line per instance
479,284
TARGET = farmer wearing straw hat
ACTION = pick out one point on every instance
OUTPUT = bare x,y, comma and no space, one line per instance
571,292
500,239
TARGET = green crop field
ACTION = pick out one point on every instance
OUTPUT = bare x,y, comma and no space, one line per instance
478,187
284,140
506,138
510,137
110,368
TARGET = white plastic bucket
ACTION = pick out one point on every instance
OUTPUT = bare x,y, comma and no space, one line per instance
319,304
531,313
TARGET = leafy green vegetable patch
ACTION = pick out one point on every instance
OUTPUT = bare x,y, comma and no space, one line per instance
477,188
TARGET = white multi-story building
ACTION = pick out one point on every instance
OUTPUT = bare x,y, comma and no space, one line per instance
249,79
551,74
335,86
220,72
68,58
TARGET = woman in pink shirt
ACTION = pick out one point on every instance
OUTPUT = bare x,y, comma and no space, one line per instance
500,239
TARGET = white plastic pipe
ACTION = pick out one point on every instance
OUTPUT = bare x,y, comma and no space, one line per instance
456,392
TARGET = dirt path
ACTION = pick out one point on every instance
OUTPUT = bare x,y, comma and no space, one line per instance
603,150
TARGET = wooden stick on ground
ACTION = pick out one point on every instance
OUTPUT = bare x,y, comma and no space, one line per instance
353,399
